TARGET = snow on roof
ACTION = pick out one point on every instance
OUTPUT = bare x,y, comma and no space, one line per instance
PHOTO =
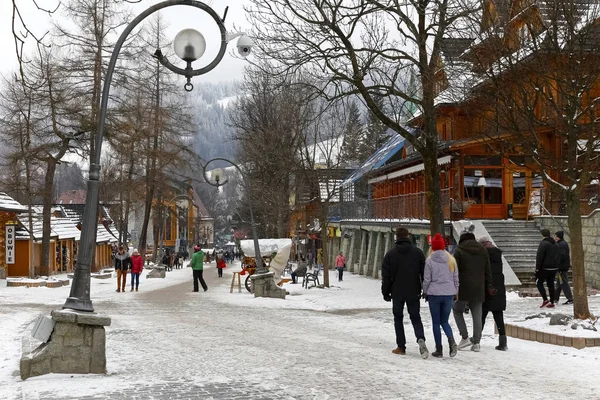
65,228
104,236
7,203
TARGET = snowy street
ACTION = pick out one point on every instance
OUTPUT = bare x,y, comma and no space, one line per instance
166,342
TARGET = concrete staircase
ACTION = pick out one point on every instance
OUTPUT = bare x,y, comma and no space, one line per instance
518,241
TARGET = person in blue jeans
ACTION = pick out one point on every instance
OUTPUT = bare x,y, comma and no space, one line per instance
440,288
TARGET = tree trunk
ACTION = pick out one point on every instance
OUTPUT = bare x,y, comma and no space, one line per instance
580,300
46,215
433,192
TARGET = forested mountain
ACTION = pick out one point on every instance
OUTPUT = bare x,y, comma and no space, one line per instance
211,102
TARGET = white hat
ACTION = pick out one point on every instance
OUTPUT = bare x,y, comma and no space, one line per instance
135,251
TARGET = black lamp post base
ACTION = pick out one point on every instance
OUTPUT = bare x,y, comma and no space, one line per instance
76,304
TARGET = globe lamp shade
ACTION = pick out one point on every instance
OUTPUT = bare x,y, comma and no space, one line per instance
189,45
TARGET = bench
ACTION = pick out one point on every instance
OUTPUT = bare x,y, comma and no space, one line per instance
311,277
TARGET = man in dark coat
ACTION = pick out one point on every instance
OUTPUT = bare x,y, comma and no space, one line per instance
474,276
495,304
546,265
563,267
402,279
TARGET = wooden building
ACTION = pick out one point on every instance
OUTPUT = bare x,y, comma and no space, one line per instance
484,173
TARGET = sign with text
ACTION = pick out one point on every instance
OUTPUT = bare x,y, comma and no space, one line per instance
10,244
535,203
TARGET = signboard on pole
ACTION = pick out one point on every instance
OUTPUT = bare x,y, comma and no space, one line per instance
10,244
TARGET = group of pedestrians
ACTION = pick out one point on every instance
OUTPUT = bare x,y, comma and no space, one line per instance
124,264
552,259
472,277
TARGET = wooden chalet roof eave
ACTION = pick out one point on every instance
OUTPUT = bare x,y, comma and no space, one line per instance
408,162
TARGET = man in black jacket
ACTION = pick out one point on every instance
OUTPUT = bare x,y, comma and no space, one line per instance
546,265
402,279
563,267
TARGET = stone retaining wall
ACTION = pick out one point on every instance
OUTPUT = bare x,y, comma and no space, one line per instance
520,332
591,241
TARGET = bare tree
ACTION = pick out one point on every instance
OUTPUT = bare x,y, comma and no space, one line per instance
540,87
369,48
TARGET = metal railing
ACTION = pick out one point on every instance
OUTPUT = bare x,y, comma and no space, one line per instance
406,206
555,204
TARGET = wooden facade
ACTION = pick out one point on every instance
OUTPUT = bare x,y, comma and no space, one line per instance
487,175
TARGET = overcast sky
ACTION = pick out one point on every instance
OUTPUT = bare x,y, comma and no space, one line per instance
178,17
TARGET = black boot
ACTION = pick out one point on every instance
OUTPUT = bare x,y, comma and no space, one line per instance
502,345
438,352
453,347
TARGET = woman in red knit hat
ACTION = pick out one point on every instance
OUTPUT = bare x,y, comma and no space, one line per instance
440,286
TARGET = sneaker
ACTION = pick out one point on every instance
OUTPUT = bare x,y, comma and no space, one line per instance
399,350
205,289
131,290
475,347
464,343
545,303
551,305
568,302
423,349
118,290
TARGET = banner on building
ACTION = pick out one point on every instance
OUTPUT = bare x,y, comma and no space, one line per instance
10,244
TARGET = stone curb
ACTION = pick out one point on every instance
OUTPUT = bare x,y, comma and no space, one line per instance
579,343
80,318
49,284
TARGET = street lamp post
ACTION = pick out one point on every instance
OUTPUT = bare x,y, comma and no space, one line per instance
218,181
189,46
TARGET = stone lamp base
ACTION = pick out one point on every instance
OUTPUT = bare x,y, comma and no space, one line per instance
263,285
77,345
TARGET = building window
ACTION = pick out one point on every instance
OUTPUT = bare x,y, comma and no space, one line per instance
329,190
348,193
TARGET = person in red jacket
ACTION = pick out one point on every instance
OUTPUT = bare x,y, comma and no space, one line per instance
220,265
137,265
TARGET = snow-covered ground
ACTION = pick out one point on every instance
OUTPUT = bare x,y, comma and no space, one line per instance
167,342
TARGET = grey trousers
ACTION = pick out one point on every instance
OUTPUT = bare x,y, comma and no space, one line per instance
459,316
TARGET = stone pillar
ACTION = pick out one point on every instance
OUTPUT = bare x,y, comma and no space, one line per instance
378,258
263,285
77,345
351,253
368,266
363,245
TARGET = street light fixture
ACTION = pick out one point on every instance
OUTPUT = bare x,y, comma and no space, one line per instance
79,297
219,180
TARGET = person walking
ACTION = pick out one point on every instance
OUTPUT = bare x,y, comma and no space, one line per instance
137,265
402,277
495,304
546,266
122,265
474,276
197,268
440,286
340,264
564,264
220,265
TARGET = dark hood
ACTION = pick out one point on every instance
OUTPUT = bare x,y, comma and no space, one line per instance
549,239
404,245
472,247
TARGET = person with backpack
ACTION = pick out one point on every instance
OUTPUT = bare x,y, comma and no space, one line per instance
546,266
475,278
563,267
402,279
